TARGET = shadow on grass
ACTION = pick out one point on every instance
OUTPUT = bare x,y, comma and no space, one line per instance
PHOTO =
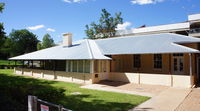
14,91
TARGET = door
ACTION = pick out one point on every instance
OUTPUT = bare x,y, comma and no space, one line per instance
104,69
178,64
198,69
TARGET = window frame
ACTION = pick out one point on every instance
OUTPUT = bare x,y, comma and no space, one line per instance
157,61
179,57
137,61
84,65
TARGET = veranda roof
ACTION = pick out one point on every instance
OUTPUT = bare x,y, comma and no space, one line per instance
97,49
85,49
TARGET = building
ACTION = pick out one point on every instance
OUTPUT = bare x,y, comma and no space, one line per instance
191,28
160,59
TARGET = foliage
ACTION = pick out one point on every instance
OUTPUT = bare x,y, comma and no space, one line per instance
6,62
39,46
1,7
23,41
2,34
15,89
47,42
106,26
5,50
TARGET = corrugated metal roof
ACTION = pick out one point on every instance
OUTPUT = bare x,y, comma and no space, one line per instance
97,49
79,50
147,44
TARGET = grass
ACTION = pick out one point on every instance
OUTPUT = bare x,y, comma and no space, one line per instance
15,89
6,62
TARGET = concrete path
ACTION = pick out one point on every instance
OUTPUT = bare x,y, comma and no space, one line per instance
104,88
167,100
192,102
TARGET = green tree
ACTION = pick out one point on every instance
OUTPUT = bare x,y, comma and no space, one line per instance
1,6
5,50
106,26
2,35
47,41
23,41
39,46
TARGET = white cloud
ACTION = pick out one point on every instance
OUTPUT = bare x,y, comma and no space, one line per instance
50,30
123,26
74,1
144,2
36,27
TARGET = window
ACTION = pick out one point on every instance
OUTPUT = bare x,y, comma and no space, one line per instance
74,66
87,66
136,61
68,64
178,63
82,66
157,61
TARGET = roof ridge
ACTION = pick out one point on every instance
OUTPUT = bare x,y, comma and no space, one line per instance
89,49
185,47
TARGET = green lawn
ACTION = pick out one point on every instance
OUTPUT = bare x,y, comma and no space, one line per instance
14,90
6,62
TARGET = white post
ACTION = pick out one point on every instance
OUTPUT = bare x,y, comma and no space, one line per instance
92,66
32,103
190,58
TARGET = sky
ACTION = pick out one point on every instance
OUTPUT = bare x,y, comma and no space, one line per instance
61,16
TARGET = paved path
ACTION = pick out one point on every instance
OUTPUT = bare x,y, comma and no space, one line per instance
192,102
167,100
129,88
101,87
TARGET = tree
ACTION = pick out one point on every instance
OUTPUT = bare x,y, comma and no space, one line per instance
39,46
23,41
2,34
47,42
106,26
1,7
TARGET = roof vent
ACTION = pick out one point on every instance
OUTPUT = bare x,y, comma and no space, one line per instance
67,39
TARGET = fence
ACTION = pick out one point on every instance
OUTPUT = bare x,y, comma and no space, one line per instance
35,104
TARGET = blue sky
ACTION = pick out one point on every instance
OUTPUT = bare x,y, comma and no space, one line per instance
59,16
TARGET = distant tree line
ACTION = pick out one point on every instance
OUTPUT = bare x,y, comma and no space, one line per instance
23,41
20,41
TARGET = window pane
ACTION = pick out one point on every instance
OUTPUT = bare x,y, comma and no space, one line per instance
137,61
157,61
80,66
74,66
69,66
87,66
181,65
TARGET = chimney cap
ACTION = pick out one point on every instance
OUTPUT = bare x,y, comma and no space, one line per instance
67,34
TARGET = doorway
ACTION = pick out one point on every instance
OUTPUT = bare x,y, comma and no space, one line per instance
178,63
198,69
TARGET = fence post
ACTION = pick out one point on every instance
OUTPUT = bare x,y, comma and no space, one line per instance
60,108
32,103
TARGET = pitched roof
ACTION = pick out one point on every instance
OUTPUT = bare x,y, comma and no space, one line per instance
97,49
84,49
147,44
